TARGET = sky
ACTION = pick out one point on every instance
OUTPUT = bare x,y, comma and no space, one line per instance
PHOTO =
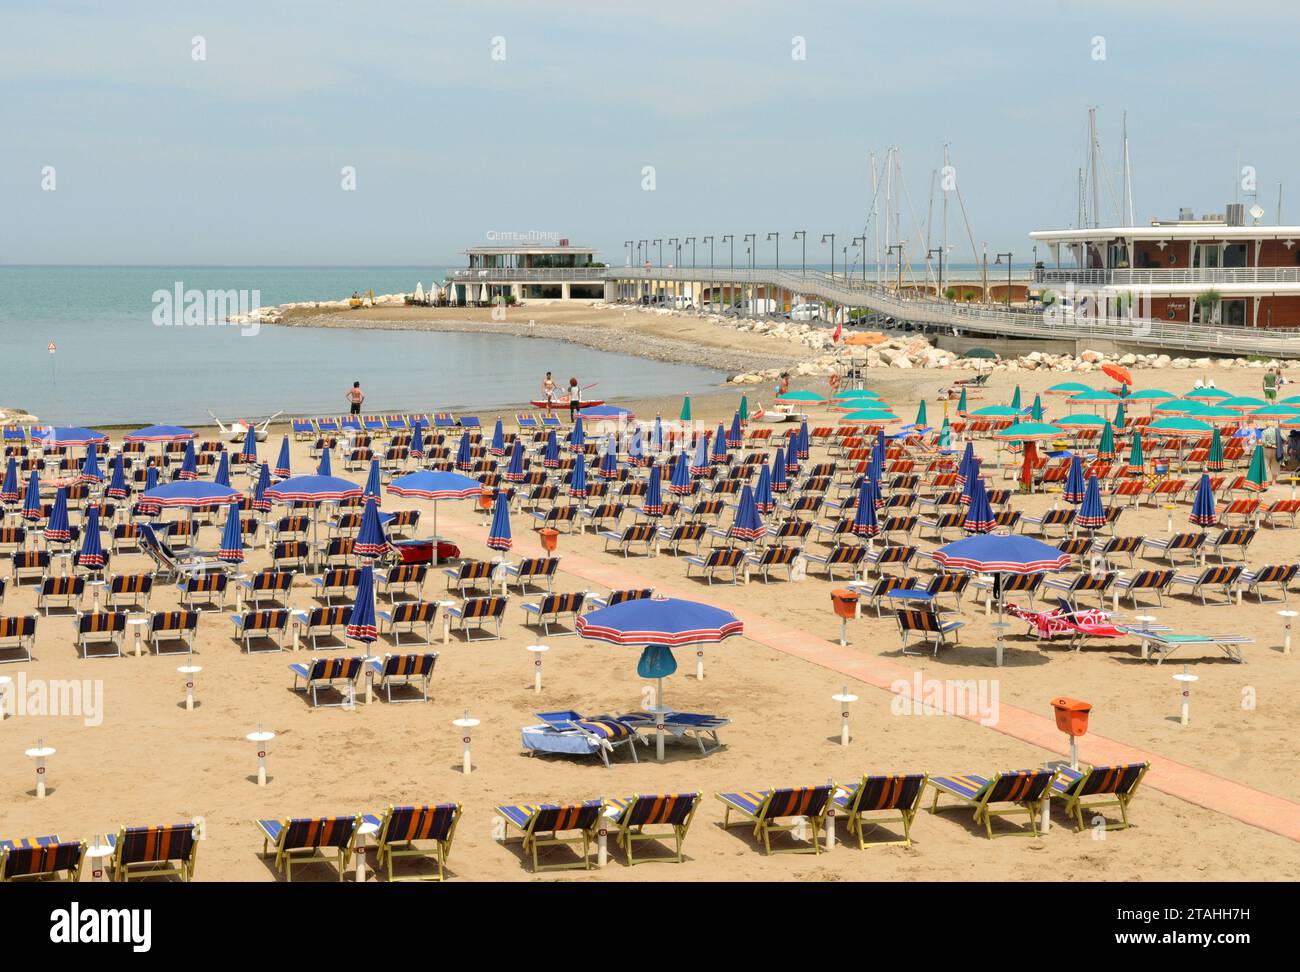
603,123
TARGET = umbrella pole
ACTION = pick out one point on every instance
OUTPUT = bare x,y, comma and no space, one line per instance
435,534
659,719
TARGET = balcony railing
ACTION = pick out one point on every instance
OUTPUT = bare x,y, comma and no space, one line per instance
1155,278
541,275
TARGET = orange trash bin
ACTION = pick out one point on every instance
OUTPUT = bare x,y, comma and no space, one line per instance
845,602
1071,715
550,539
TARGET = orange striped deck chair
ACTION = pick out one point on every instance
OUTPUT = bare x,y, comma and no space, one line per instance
539,820
131,590
899,795
1024,790
402,670
18,634
807,805
155,852
41,858
475,614
672,810
1115,785
306,840
402,829
173,626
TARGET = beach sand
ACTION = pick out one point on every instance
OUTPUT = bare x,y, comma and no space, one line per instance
152,762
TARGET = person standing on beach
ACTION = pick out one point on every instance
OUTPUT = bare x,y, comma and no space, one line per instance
1270,385
575,399
355,397
548,388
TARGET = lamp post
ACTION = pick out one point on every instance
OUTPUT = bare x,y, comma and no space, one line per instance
863,241
691,241
777,237
644,247
628,244
831,237
930,253
802,236
732,238
898,287
660,243
677,251
709,240
999,260
752,239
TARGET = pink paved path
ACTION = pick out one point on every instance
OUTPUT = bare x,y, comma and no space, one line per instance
1263,810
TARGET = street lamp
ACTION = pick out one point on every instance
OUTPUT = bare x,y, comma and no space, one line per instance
673,241
753,245
709,240
777,237
661,251
999,260
732,238
628,244
691,241
803,254
831,237
898,288
863,241
930,253
642,246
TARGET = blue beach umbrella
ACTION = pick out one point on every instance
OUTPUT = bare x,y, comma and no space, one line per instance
700,464
719,453
1091,513
979,514
282,468
249,452
763,501
866,522
431,485
222,478
312,489
90,468
578,477
32,498
972,477
499,532
260,502
780,483
361,622
57,529
996,553
9,492
117,488
1203,513
963,467
636,449
498,445
792,455
802,450
607,412
371,541
609,461
1074,484
577,435
231,550
680,483
72,437
372,480
190,464
735,437
515,469
417,442
551,452
190,493
326,466
747,525
91,554
160,433
465,453
654,494
876,467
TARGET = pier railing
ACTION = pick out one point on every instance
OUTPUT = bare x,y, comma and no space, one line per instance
1154,278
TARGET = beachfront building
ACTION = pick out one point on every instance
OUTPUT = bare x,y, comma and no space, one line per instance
1212,270
528,271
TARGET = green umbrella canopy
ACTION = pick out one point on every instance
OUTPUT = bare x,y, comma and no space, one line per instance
1093,395
870,415
1081,421
857,393
1151,395
981,353
1036,411
1243,403
686,409
1207,394
1070,388
1181,424
1025,431
1290,400
1279,411
997,411
1179,406
744,408
801,396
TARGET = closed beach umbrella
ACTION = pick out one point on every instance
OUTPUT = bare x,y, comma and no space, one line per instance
232,538
657,625
1215,461
551,452
779,481
222,478
417,442
1203,513
9,491
499,532
1015,400
922,417
148,507
282,468
372,480
326,467
636,456
747,524
680,483
190,464
719,452
90,468
876,467
578,477
498,445
866,523
361,622
32,499
700,464
945,435
803,449
979,514
1074,484
578,434
57,529
116,480
1121,418
1136,464
91,554
464,453
735,437
763,501
961,403
686,409
964,467
609,460
1035,410
1091,514
1106,448
1257,480
1027,465
260,502
743,411
654,498
249,451
515,469
371,541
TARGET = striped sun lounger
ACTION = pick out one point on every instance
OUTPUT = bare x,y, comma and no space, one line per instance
899,795
636,813
403,829
536,821
1025,790
807,805
1115,785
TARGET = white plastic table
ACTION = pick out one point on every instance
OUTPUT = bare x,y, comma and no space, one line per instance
365,830
40,752
136,625
538,651
96,855
465,724
260,737
189,671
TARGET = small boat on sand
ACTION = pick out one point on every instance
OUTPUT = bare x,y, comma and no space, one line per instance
558,404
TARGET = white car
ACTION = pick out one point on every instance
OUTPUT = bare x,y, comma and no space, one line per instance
806,312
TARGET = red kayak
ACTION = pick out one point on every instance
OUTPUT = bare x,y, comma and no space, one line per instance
559,405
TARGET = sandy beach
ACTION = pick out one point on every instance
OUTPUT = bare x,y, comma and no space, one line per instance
152,762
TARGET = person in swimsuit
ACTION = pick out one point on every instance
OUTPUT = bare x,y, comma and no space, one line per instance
355,397
549,388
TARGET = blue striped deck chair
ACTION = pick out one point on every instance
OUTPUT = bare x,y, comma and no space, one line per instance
60,592
309,840
572,733
1118,546
328,425
444,420
699,726
535,572
773,558
1114,785
28,564
144,852
403,523
358,458
635,813
395,423
289,554
335,674
126,537
470,575
340,582
597,601
405,670
537,821
1076,548
323,622
129,590
14,434
556,517
725,559
943,523
927,623
403,829
173,627
850,557
895,794
551,422
415,618
17,635
526,422
475,613
808,805
41,858
352,424
303,428
337,552
1236,538
1224,578
405,579
470,422
552,609
1280,574
1084,583
673,538
374,424
1027,584
269,585
1188,543
268,623
1025,790
637,535
12,539
792,532
105,628
200,589
417,420
1153,581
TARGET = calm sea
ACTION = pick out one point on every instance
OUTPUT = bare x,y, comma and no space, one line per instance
113,365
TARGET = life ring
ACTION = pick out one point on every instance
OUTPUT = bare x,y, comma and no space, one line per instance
835,382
